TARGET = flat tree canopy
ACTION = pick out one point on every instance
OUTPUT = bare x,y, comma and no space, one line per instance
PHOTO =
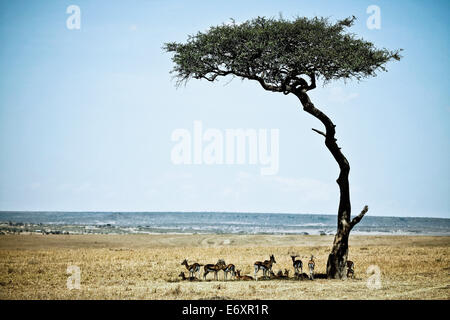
276,52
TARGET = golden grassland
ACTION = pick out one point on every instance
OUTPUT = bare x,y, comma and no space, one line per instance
147,266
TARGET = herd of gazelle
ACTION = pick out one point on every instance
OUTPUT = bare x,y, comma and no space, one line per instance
265,266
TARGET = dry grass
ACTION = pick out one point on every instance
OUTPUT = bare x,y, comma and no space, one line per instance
147,267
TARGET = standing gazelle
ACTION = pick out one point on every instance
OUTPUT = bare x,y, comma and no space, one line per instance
298,264
228,268
213,268
265,266
350,269
195,267
311,265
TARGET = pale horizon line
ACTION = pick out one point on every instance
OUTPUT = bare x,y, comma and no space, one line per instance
204,211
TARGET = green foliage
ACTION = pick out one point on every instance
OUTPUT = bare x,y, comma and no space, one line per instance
278,53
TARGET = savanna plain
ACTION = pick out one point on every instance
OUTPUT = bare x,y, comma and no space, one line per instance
137,266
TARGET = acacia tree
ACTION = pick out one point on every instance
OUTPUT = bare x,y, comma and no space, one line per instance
289,57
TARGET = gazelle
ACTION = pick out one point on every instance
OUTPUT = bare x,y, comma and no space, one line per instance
228,268
298,276
245,278
350,269
265,266
183,277
213,268
311,265
280,274
297,264
195,267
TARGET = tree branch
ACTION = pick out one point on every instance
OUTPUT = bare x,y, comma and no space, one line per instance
359,217
312,76
319,132
266,86
250,75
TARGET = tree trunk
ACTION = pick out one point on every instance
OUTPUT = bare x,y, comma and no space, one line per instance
337,259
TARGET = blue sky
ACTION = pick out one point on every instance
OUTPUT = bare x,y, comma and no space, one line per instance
86,116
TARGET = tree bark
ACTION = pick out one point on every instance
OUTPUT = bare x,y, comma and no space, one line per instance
337,259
